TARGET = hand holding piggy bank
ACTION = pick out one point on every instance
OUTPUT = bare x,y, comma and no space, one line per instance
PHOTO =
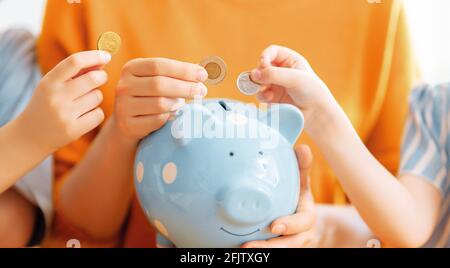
219,173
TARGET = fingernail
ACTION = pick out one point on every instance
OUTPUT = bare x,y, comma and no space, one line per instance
180,103
263,61
202,90
202,75
279,229
260,97
106,56
172,116
256,75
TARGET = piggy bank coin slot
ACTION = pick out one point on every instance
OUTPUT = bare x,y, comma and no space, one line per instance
224,106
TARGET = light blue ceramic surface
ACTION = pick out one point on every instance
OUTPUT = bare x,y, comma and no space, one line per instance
213,191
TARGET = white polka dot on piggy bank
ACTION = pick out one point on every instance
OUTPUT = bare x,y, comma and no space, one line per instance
169,173
139,172
208,178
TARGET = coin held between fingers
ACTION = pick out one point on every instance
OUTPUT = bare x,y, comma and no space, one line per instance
213,70
109,42
216,69
246,85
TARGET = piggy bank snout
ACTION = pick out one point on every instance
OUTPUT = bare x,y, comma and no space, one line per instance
247,205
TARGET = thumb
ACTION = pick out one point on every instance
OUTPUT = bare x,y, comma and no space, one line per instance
305,160
280,76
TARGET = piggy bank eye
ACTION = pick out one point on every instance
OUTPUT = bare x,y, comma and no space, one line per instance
261,153
231,154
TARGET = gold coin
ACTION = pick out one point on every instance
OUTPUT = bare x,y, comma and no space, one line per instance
109,42
216,68
213,70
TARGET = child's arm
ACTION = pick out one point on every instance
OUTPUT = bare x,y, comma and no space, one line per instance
64,107
400,212
18,220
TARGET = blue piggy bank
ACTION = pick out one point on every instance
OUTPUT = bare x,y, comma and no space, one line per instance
219,172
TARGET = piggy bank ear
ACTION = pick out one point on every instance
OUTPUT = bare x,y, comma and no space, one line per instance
285,118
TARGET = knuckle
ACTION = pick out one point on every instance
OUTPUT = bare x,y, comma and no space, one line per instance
97,96
53,101
273,47
160,104
48,90
160,120
122,87
71,131
154,66
94,78
45,85
120,107
126,69
188,71
129,66
269,74
157,85
130,63
159,61
75,61
64,120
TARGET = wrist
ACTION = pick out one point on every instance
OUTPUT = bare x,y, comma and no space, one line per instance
117,136
324,119
29,137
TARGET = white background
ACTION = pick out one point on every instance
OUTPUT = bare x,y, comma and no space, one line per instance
429,19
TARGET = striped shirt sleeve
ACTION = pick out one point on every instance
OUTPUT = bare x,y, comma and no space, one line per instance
424,151
19,72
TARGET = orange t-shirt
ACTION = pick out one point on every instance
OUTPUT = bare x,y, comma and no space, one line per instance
360,50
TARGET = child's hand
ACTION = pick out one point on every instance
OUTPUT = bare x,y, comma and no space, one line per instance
150,89
298,230
65,103
288,78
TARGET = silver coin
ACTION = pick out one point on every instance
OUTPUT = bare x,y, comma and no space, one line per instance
246,86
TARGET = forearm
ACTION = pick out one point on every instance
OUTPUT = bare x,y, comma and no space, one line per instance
17,220
97,193
384,203
19,152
